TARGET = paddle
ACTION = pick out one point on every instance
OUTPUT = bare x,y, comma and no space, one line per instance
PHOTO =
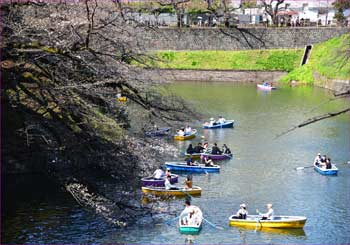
301,168
257,221
171,220
211,224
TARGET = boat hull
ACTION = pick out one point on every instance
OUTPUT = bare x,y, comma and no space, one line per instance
228,124
186,137
150,181
332,171
217,157
285,222
161,191
190,230
182,166
263,87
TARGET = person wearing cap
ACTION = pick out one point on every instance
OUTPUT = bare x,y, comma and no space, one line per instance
269,214
242,212
317,160
159,173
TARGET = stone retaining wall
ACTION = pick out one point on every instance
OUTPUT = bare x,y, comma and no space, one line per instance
168,75
236,39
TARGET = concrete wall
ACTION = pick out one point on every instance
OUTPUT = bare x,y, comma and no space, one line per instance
236,39
168,75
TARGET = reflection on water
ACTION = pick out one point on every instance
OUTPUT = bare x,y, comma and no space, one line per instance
261,171
289,232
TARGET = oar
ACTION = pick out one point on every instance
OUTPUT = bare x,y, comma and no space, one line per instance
301,168
211,224
171,220
257,221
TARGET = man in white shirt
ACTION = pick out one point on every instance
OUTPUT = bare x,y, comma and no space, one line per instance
168,185
159,173
221,120
270,213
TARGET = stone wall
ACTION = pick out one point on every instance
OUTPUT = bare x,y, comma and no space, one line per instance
236,39
168,75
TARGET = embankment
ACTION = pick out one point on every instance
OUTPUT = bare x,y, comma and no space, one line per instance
170,75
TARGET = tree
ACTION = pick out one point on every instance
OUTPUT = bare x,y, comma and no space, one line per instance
62,67
340,6
272,8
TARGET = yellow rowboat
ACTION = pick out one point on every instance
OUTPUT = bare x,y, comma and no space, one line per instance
276,222
186,137
181,192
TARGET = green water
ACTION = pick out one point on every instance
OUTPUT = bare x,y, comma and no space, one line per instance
261,171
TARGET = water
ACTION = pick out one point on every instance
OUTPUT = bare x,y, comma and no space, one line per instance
262,171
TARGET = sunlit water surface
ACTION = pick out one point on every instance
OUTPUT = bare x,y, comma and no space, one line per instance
261,171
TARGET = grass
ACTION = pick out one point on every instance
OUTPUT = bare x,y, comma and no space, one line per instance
263,60
330,59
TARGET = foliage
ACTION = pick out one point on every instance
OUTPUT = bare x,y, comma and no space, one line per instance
285,60
329,59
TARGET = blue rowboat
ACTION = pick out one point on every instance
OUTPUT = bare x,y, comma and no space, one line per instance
190,224
215,157
323,171
200,168
158,132
227,124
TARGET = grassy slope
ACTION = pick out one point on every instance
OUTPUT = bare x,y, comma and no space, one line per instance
285,60
327,59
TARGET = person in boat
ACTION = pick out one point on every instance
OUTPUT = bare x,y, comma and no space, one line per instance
188,130
181,132
191,218
328,163
190,161
167,172
265,83
168,185
221,120
323,161
208,162
188,182
205,147
269,214
212,122
159,173
198,148
242,212
190,149
215,150
317,160
225,149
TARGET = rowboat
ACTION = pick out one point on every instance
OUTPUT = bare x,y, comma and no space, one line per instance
194,156
276,222
324,171
193,224
227,124
265,87
186,136
181,192
200,168
158,132
150,181
216,157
